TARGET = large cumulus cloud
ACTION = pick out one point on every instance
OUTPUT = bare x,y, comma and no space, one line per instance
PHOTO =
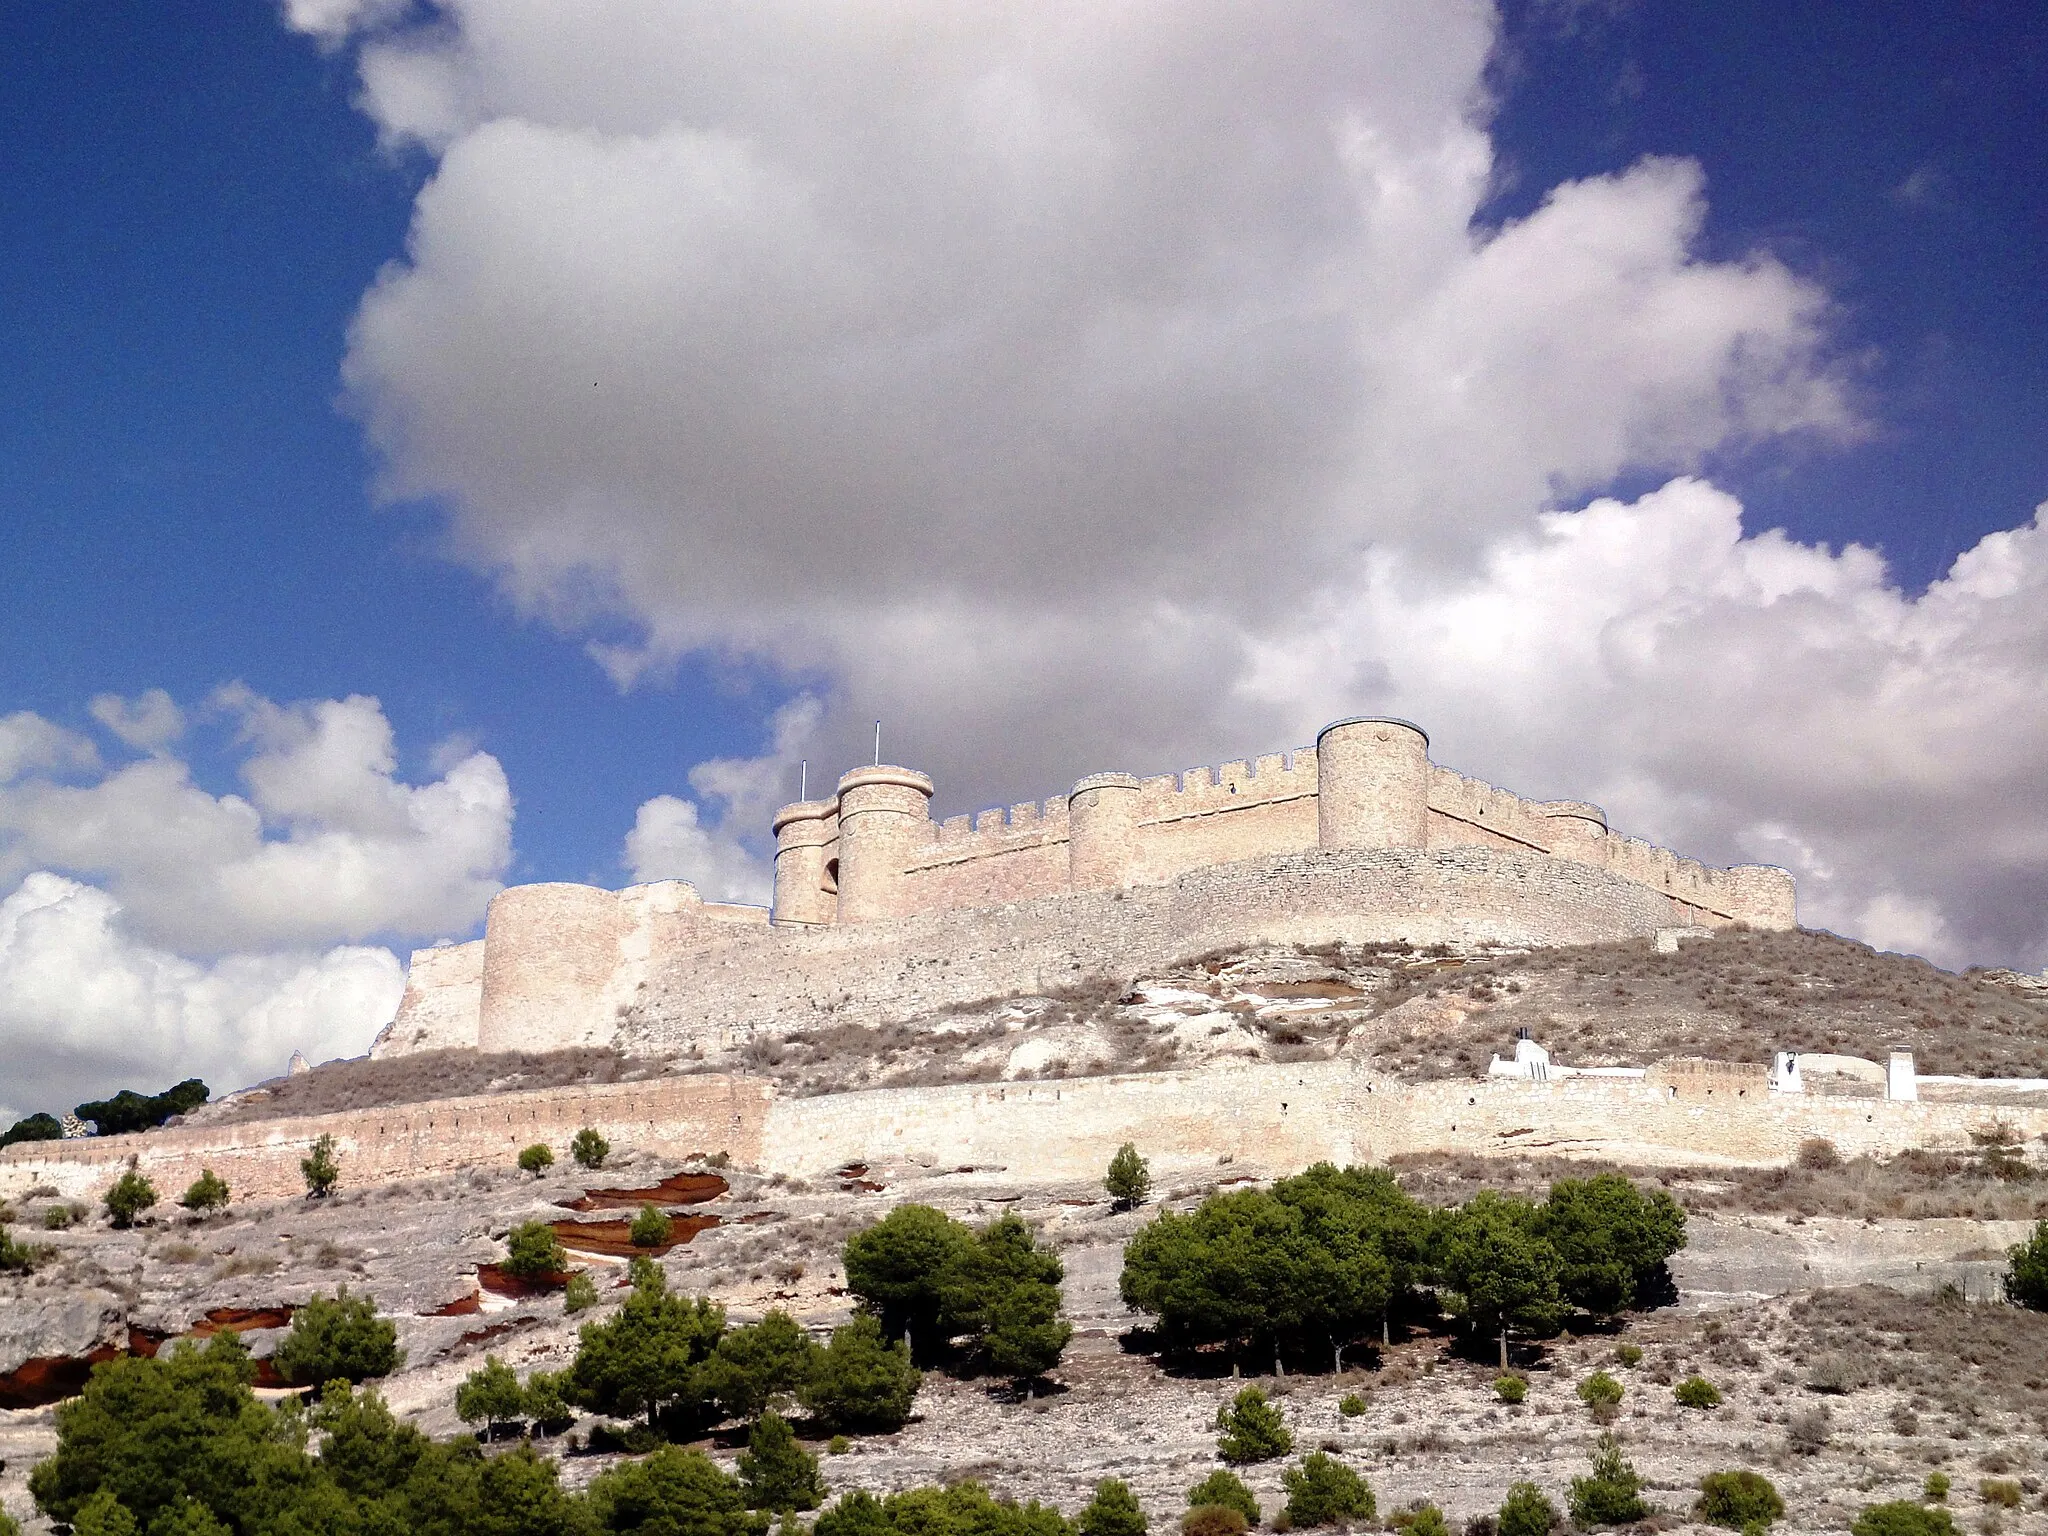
154,930
1131,385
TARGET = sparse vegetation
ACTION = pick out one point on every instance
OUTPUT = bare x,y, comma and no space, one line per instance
207,1193
1224,1489
1697,1392
1526,1512
1936,1488
536,1159
1114,1511
1251,1429
319,1169
650,1228
1902,1517
532,1250
1611,1494
580,1294
1323,1491
1510,1388
2026,1279
1351,1405
16,1257
1739,1500
1129,1181
128,1197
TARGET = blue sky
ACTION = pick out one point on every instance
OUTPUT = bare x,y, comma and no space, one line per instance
204,480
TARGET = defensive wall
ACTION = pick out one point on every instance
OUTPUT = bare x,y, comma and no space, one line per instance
882,913
1261,1120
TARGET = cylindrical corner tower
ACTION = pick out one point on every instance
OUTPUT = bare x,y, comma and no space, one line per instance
1575,830
805,836
1765,896
884,818
549,952
1102,831
1372,784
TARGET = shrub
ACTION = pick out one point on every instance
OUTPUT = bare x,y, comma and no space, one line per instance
128,1197
16,1257
776,1472
1936,1487
337,1339
1630,1355
1419,1520
1224,1489
1113,1511
1212,1520
1738,1500
1611,1494
209,1192
1697,1392
319,1169
1600,1388
1817,1154
650,1228
1902,1517
1833,1375
670,1491
1252,1429
1510,1389
589,1148
1129,1180
1322,1491
2026,1278
490,1395
580,1295
1351,1405
860,1380
1808,1432
532,1249
1526,1512
57,1218
536,1159
2001,1491
838,1445
547,1401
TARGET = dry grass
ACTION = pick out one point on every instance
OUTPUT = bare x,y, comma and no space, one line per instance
338,1086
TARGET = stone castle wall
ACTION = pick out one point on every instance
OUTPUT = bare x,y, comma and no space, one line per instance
1259,1120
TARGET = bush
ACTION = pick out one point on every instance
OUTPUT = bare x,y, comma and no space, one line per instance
1697,1392
1738,1500
1511,1389
17,1257
128,1197
860,1380
1323,1491
589,1148
670,1491
532,1250
580,1295
1223,1489
319,1169
1212,1520
1129,1180
1817,1154
1113,1511
58,1217
1612,1493
209,1192
1351,1405
2001,1491
650,1228
1936,1487
2026,1279
490,1395
1421,1520
337,1339
1629,1355
547,1401
1600,1388
1902,1517
1808,1432
838,1445
536,1159
1526,1512
1252,1429
776,1472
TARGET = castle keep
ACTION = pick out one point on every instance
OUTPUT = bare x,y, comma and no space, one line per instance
882,914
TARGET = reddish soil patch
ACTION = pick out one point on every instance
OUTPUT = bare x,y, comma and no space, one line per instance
677,1189
495,1331
461,1306
241,1320
51,1378
614,1239
755,1218
500,1281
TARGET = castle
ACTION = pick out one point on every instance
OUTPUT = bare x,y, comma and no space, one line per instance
881,914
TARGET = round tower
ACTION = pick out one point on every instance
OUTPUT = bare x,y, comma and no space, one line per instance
1102,831
806,835
1575,830
1372,784
884,818
549,953
1765,896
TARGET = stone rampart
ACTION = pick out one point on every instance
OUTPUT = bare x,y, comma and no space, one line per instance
443,1001
260,1158
1263,1119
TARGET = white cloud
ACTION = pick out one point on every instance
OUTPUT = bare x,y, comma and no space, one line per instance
328,844
1130,386
84,1007
29,743
149,722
